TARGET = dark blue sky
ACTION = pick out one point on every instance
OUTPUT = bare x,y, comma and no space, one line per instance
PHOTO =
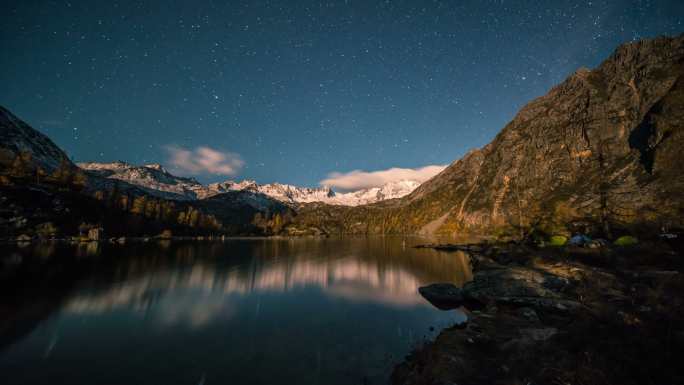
298,89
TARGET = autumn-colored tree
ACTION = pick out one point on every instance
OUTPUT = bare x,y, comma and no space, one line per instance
277,223
21,165
149,208
78,179
168,209
194,218
139,204
124,202
40,174
46,230
182,218
6,160
63,175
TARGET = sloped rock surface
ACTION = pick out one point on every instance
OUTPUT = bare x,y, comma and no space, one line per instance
442,295
513,285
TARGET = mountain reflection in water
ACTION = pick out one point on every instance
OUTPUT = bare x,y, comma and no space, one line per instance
318,311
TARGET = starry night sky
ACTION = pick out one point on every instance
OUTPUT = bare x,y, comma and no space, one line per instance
299,89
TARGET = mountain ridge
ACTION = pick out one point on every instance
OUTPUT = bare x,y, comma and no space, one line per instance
20,142
156,178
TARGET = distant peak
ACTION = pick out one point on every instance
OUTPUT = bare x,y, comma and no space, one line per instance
155,166
116,165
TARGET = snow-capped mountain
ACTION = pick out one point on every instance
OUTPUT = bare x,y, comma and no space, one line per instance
285,192
294,194
18,138
389,190
154,178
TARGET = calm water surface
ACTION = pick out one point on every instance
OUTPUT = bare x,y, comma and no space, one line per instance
303,311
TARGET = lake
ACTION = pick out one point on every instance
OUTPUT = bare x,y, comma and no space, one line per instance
241,311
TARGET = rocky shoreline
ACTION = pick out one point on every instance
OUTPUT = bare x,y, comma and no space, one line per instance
558,315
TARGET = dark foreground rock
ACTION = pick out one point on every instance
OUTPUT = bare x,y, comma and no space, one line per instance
442,295
560,316
517,285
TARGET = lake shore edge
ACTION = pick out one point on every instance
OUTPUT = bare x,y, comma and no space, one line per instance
558,315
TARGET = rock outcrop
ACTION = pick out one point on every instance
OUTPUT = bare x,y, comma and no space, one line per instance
495,284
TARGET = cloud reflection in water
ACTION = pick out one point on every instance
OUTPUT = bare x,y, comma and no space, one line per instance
204,292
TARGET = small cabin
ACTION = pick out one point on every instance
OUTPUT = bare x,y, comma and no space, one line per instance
96,234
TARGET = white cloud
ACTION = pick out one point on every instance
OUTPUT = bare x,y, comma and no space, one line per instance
359,179
205,160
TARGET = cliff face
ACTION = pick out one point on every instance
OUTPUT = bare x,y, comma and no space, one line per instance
601,150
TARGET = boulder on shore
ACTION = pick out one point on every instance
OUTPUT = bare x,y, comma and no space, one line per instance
514,285
442,295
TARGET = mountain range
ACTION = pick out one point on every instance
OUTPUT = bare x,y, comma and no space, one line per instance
599,153
39,184
156,179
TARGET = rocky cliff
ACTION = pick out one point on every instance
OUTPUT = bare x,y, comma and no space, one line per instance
600,151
